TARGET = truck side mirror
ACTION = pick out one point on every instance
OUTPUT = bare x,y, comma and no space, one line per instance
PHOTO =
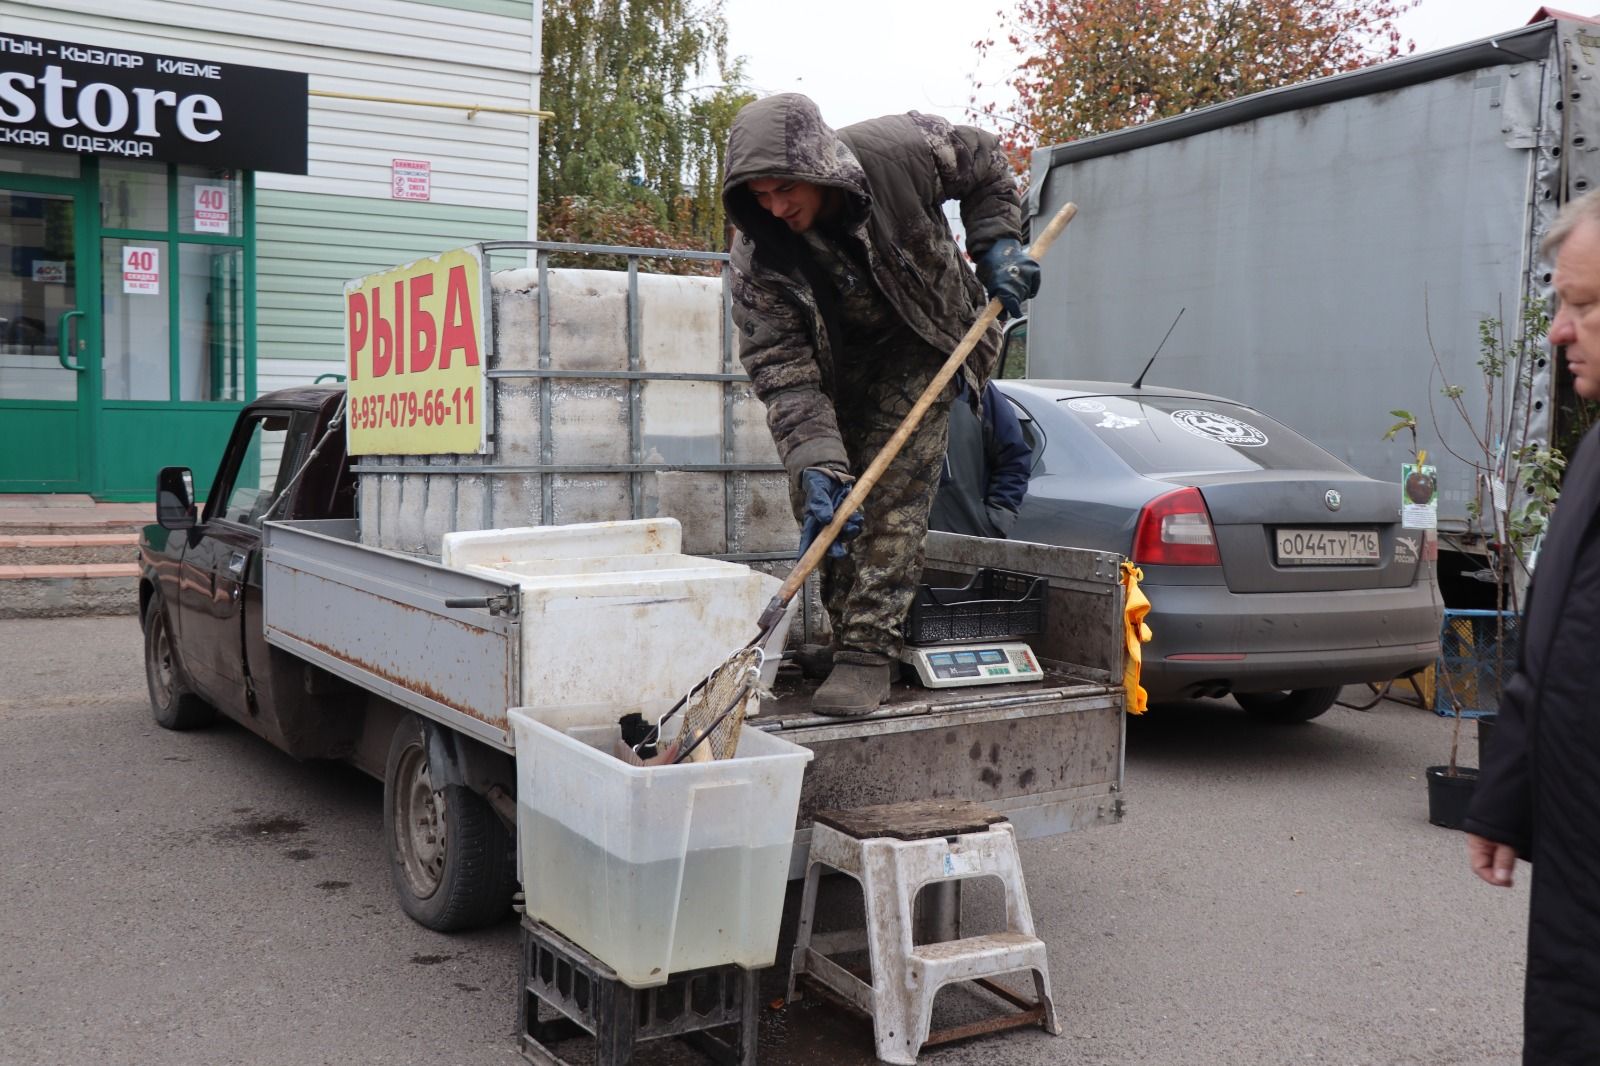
175,498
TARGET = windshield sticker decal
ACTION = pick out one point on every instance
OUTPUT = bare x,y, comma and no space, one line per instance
1214,426
1111,421
1086,406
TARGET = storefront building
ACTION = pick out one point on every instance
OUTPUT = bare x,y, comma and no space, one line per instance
185,188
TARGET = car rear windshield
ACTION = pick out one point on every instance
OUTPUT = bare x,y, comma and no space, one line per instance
1164,435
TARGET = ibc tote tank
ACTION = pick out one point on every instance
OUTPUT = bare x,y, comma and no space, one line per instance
592,424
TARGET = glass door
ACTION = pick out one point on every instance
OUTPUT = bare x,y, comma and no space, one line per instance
125,318
49,315
174,367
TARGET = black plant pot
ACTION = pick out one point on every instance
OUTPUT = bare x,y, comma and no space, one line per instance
1485,731
1449,797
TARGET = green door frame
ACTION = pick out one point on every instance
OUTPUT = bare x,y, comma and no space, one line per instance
116,440
208,420
86,249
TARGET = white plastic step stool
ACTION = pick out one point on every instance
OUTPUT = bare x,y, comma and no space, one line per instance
894,850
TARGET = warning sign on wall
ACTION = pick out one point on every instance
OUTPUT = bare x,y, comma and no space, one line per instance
141,270
411,179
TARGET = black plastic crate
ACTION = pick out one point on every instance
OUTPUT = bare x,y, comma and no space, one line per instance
712,1010
994,605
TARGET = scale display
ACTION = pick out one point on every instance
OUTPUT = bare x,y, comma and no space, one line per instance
952,666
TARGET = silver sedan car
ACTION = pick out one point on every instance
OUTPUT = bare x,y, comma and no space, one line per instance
1276,573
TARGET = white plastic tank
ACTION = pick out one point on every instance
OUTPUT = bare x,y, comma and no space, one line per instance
682,329
615,616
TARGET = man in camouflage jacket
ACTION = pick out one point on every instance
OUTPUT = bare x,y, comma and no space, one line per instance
848,294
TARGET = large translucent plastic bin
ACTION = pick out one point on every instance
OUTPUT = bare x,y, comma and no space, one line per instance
656,870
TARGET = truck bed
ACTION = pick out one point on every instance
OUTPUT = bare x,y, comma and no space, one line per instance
791,706
1049,752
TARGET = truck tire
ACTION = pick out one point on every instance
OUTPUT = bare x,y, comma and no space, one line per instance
450,856
172,702
1296,705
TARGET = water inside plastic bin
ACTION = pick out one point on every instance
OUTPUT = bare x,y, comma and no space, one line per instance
656,870
677,910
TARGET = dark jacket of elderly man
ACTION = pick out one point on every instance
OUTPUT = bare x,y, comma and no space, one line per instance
1538,795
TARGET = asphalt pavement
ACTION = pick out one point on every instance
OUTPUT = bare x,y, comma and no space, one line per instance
1274,896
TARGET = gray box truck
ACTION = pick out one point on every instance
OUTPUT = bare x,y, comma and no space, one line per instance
1324,239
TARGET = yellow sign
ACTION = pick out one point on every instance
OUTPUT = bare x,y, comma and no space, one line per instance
416,347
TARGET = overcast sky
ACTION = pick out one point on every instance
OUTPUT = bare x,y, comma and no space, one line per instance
862,58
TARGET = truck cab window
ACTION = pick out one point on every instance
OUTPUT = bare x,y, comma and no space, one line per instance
259,474
1014,351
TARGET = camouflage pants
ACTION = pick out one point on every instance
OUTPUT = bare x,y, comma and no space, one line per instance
868,592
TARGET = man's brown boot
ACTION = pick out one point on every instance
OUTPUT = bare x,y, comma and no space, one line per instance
858,684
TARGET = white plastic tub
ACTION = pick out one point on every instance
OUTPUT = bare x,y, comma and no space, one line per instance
656,870
614,614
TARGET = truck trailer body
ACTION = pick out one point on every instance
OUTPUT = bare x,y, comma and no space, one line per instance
1324,240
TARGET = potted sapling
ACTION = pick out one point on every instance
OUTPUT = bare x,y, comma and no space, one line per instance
1515,480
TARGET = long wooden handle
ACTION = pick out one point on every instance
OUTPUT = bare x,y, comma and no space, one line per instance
863,485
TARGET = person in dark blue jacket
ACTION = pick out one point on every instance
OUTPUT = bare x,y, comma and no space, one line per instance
986,468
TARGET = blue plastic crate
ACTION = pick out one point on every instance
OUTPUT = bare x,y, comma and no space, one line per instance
1470,671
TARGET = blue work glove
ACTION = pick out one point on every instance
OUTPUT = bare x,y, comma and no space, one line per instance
824,494
1008,275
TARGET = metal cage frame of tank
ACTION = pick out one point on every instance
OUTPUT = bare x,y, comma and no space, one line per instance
547,469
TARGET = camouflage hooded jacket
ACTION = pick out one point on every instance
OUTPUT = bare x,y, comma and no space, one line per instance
896,173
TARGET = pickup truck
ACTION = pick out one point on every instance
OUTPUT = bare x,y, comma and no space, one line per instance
263,605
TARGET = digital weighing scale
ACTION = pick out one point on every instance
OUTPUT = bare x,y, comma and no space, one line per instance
983,663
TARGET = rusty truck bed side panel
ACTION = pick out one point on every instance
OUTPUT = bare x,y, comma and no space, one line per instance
378,619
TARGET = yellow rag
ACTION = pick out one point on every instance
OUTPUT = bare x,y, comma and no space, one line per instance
1134,608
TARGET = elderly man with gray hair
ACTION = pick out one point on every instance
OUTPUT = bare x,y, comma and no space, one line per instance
1538,794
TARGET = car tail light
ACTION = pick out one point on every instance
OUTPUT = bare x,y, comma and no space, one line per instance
1175,530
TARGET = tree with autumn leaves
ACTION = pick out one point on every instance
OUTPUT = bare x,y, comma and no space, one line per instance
643,94
1091,66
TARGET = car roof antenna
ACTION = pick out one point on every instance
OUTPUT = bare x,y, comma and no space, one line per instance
1140,380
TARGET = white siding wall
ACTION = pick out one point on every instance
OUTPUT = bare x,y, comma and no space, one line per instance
392,48
338,221
282,373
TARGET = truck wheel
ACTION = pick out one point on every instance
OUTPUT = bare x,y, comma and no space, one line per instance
174,705
450,856
1296,705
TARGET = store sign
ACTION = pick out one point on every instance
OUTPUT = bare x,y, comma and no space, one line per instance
50,271
211,209
141,270
416,344
411,179
63,97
